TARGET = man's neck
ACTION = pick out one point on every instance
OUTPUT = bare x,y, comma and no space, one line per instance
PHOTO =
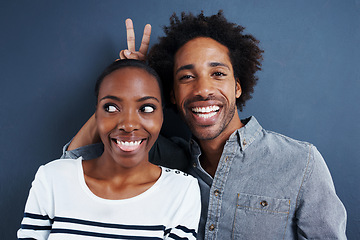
211,150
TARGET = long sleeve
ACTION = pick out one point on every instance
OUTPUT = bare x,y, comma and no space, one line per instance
86,152
187,221
320,214
37,220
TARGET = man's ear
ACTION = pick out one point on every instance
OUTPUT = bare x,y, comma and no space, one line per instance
238,88
172,97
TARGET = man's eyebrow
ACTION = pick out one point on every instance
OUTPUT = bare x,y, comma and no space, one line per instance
189,66
216,64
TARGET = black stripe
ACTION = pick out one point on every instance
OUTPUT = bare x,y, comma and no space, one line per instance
26,239
103,235
185,229
174,236
35,227
167,231
36,216
110,225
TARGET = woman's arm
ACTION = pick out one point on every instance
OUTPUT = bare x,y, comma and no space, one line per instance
37,223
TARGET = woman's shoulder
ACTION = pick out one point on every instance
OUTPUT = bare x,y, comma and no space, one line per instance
60,167
175,176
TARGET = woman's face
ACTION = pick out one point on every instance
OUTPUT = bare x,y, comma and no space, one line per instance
129,115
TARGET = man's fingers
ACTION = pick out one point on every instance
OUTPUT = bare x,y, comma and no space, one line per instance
145,40
130,34
122,55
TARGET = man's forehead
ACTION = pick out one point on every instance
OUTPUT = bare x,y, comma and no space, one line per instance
203,50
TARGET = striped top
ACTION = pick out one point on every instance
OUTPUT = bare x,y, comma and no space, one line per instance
61,206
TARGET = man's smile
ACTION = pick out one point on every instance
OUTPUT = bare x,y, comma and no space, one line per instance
206,112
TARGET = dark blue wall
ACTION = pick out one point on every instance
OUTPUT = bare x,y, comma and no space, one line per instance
52,51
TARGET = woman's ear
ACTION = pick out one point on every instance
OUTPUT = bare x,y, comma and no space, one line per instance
238,88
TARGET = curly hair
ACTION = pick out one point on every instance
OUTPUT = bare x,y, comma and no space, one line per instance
244,52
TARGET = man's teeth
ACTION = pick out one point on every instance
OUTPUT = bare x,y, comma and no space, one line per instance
206,115
206,112
205,109
131,143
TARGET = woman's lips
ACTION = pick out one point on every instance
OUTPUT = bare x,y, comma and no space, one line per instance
128,146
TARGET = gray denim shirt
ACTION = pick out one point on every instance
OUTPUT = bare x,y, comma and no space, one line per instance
267,186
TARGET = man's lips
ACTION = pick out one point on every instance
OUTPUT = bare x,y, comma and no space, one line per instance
206,111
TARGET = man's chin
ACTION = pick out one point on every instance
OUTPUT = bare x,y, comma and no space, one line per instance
206,132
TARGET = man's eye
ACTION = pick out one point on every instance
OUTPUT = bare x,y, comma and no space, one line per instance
110,108
185,77
219,74
147,109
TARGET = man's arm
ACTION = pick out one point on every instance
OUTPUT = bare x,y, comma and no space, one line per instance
87,135
320,213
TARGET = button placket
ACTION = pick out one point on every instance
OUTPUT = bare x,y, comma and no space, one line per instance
212,227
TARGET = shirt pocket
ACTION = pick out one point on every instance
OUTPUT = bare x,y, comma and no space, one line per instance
260,217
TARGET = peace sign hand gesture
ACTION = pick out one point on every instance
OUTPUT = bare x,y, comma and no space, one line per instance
130,53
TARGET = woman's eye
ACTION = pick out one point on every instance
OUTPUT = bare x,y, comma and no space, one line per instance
110,108
147,109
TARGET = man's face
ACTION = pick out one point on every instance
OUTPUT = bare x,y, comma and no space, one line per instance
205,89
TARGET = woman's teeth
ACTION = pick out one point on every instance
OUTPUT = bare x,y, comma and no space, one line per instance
130,143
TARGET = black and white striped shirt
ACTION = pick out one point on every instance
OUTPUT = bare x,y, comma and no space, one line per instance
61,206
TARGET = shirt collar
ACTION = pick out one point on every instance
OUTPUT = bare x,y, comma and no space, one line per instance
245,136
249,132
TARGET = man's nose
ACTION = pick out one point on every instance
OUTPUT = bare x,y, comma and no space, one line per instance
203,86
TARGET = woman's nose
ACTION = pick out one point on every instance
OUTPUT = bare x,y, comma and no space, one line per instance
129,121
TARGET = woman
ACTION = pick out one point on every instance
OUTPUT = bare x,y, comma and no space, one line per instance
119,195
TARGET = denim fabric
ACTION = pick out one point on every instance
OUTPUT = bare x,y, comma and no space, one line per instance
268,186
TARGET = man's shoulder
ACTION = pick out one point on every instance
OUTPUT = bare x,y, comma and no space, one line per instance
171,153
271,138
286,140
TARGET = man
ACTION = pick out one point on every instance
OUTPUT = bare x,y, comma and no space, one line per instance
255,184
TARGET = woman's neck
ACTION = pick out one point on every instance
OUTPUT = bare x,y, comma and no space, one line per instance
108,180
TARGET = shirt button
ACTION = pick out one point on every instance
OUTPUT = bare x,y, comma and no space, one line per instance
211,227
216,192
244,142
194,164
264,203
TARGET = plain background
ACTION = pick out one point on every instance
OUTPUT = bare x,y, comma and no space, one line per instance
52,51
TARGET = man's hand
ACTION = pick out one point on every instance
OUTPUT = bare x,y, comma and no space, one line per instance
131,53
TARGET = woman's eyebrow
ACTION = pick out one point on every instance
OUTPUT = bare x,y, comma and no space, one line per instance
110,97
146,98
138,100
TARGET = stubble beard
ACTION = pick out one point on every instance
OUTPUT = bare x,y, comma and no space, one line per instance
205,132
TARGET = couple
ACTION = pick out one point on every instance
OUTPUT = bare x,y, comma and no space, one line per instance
255,184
